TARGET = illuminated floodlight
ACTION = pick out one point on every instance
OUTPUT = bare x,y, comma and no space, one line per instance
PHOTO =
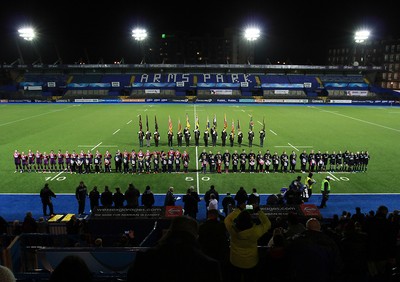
252,33
27,33
361,36
139,34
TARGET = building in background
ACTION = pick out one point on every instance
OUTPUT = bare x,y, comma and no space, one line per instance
384,52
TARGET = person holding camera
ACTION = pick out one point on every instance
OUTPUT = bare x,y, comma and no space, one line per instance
245,225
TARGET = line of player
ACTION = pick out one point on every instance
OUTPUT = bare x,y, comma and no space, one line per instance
146,161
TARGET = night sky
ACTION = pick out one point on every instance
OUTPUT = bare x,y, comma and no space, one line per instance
299,33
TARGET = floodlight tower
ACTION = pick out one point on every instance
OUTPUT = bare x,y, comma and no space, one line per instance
140,35
251,34
360,38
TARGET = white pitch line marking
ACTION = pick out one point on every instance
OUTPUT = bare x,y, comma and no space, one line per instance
273,132
61,172
96,146
334,177
361,120
39,115
197,155
293,147
259,122
116,131
129,122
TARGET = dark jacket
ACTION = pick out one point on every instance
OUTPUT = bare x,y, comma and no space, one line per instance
46,194
177,258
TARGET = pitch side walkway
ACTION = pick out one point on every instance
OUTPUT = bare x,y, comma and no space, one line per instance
14,206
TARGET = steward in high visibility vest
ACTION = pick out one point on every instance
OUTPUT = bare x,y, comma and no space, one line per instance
325,190
308,183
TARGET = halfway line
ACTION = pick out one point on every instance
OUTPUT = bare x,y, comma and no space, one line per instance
116,131
197,157
273,132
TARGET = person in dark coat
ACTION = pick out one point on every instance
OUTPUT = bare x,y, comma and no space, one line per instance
132,195
178,247
29,225
228,203
106,198
208,194
214,239
189,204
71,268
118,198
94,198
45,195
170,199
148,198
254,198
197,199
241,197
314,255
3,225
81,195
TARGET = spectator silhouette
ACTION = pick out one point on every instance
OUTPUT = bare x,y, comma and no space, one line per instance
81,195
197,199
42,226
16,228
381,244
228,203
176,257
170,199
29,225
148,198
241,197
118,198
208,193
132,195
254,198
214,239
45,195
6,275
294,226
106,198
71,268
3,225
354,250
94,198
313,255
189,204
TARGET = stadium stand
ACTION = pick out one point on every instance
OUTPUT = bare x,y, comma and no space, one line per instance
191,82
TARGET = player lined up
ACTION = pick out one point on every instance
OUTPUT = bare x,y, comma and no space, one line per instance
86,162
268,162
175,161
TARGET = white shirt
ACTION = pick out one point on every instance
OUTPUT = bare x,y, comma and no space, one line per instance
213,205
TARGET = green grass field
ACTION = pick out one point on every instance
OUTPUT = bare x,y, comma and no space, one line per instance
78,127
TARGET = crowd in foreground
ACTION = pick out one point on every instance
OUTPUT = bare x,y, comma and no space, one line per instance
246,245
